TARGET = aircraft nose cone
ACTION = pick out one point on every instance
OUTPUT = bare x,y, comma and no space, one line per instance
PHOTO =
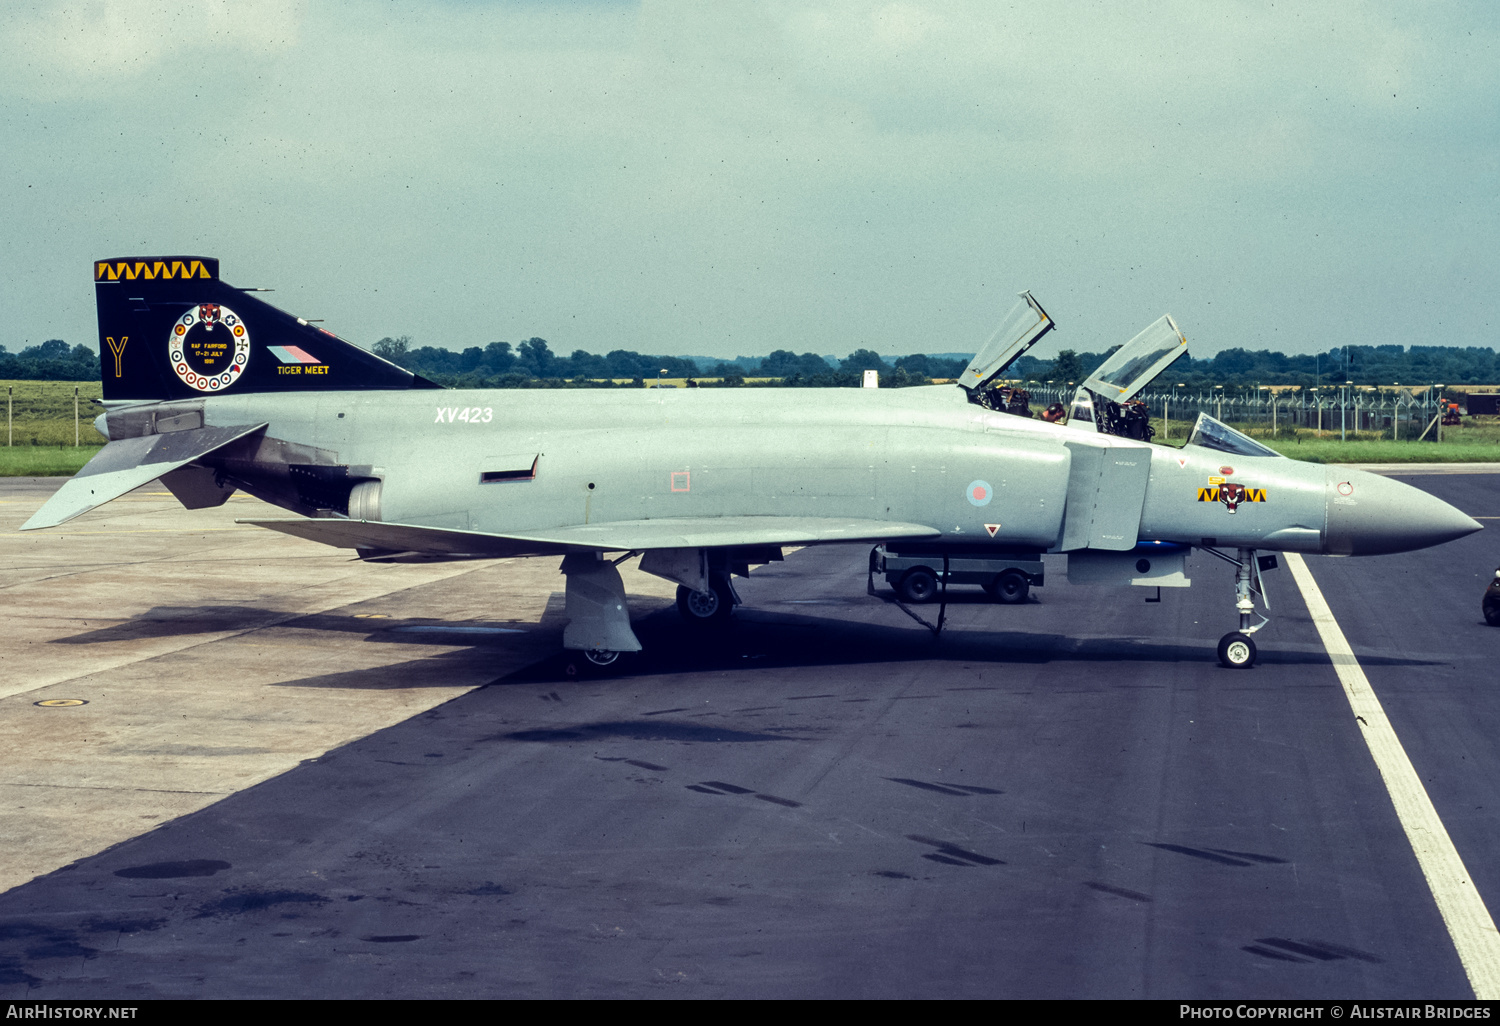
1369,515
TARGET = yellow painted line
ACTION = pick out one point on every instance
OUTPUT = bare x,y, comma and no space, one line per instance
1464,913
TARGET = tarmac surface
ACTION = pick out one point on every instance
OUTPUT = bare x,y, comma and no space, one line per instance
298,775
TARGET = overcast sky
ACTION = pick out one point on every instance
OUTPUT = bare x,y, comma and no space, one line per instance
722,179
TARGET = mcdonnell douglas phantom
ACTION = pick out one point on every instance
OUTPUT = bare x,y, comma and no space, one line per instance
211,389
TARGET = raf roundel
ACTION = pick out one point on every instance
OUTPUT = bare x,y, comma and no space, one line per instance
980,493
209,347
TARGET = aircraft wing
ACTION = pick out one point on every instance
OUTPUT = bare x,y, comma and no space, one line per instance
626,535
126,465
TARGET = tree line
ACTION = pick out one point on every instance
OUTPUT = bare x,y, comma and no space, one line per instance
53,360
532,364
1362,365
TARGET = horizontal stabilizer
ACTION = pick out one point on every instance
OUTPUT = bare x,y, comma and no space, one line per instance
126,465
639,535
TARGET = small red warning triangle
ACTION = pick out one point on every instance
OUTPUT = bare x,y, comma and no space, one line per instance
992,528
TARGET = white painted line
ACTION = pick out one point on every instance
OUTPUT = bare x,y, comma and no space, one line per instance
1463,910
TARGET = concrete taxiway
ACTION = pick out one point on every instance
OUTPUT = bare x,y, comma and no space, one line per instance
301,775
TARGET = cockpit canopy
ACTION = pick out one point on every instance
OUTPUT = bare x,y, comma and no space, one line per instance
1021,329
1137,363
1215,434
1106,399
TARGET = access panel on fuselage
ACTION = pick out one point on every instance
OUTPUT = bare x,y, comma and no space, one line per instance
1106,493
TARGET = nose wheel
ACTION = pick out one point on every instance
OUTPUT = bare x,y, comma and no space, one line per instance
1236,650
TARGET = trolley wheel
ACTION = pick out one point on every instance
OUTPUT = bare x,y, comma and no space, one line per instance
1011,587
919,585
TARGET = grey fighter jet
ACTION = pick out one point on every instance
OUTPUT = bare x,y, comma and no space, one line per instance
212,389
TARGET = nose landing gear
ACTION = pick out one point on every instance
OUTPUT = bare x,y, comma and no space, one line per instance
1236,649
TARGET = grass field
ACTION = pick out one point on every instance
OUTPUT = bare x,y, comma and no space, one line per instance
41,428
1473,441
44,460
41,412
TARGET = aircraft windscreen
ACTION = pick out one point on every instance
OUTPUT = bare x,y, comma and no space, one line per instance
1215,434
1082,411
1132,365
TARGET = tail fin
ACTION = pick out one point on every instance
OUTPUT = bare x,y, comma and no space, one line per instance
169,328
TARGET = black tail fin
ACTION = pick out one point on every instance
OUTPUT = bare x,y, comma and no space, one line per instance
170,329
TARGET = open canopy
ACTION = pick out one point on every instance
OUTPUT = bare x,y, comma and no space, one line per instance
1026,323
1137,363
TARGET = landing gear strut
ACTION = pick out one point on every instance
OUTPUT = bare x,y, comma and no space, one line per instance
1236,649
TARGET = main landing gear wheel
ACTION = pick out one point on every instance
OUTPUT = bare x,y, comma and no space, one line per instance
706,607
590,662
1237,651
919,585
1011,587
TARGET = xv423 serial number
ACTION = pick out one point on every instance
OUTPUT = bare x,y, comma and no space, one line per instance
464,414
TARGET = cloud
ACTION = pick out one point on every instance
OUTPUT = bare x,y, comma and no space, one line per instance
69,47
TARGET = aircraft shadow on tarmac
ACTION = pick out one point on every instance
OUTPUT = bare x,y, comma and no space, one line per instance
176,621
757,639
179,621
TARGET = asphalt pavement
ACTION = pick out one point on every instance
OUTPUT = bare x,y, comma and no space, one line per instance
1063,799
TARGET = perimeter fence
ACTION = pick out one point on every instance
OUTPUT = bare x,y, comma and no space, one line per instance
49,413
1390,412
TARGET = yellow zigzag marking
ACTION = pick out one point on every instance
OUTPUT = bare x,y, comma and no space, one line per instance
1251,495
150,270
